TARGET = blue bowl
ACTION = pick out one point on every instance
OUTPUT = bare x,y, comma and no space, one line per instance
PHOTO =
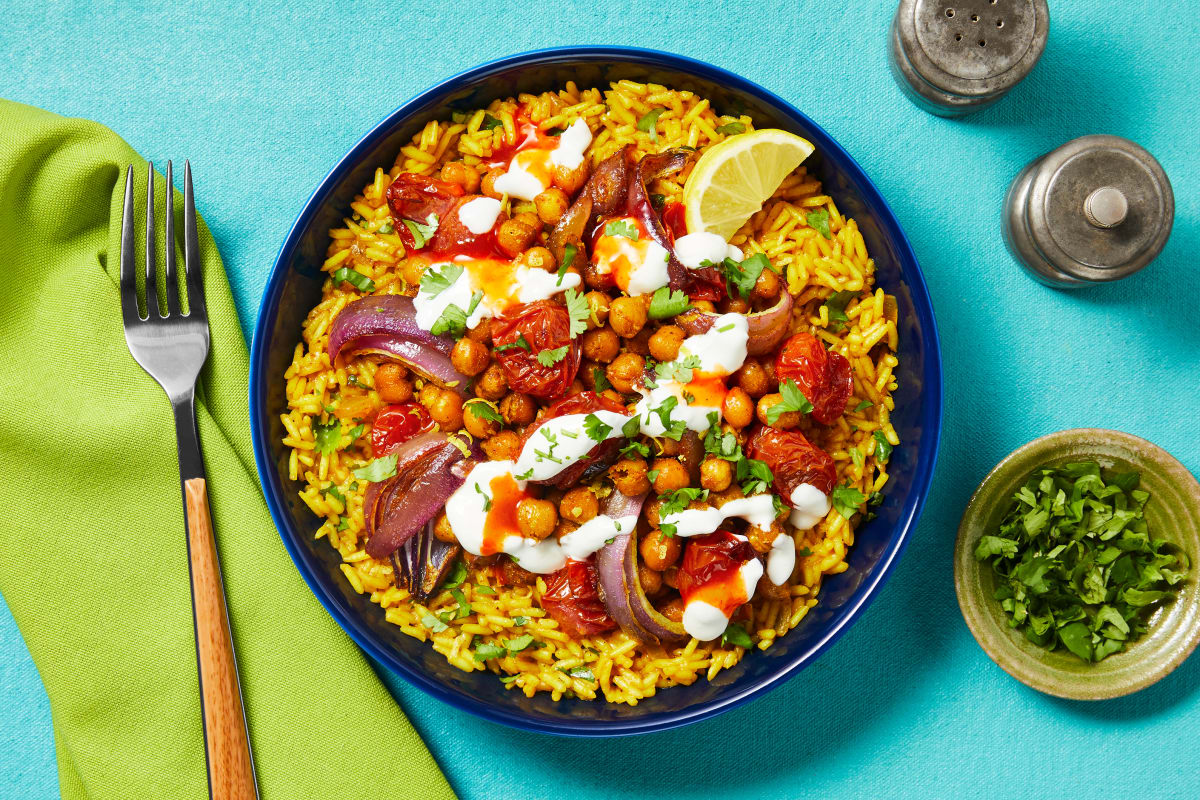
294,287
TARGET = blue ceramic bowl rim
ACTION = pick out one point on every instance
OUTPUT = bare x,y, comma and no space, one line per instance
931,412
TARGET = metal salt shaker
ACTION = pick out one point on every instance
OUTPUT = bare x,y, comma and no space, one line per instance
952,57
1099,208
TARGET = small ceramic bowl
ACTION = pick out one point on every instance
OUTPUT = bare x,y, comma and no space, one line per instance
1173,513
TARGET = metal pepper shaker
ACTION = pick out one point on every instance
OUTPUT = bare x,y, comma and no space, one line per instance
952,57
1098,208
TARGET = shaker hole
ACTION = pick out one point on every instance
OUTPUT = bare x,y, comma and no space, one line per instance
974,18
949,12
999,23
983,43
958,37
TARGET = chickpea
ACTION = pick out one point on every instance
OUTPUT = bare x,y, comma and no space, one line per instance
650,579
513,575
653,509
715,474
469,356
504,446
517,409
564,527
597,308
640,343
664,342
734,304
447,410
575,388
592,277
491,385
767,286
625,372
672,609
752,378
738,408
788,419
627,315
704,305
442,530
488,185
551,205
530,219
659,551
539,258
601,344
579,505
536,518
671,475
670,577
669,447
392,383
460,173
571,180
476,424
482,332
629,476
428,394
411,271
762,541
514,237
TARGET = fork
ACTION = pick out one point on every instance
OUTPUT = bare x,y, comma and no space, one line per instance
172,347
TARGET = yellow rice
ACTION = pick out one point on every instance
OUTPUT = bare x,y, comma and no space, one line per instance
625,670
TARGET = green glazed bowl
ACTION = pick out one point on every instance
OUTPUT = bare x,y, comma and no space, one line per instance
1173,513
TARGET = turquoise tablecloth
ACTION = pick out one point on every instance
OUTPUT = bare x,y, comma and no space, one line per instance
265,98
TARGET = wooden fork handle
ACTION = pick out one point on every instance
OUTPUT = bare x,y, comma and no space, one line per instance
226,742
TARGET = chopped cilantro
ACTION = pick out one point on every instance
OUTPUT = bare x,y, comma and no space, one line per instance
487,500
856,457
595,428
601,380
464,608
742,275
731,128
883,448
458,574
649,121
755,476
836,304
548,358
678,500
487,651
354,278
679,370
521,342
672,429
736,635
356,432
484,590
577,307
386,227
490,123
847,500
483,409
635,448
667,302
454,320
819,221
568,259
631,428
519,621
793,400
433,623
436,281
583,673
422,233
520,643
865,404
380,469
652,475
327,435
621,227
658,200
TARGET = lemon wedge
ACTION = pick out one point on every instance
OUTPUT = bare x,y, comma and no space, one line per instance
733,179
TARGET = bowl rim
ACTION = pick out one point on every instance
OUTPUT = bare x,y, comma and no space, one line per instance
930,413
1049,448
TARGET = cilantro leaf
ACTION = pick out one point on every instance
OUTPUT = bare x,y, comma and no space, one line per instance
521,342
754,476
433,623
836,305
679,370
484,410
595,428
635,449
354,278
548,358
487,500
793,400
577,307
454,320
680,499
601,380
847,500
819,221
883,448
458,574
649,121
740,276
328,435
378,470
736,635
520,643
568,259
865,404
631,428
436,281
731,128
490,123
487,651
422,233
621,227
667,302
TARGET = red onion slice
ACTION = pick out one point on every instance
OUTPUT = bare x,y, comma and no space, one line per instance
387,326
620,589
767,327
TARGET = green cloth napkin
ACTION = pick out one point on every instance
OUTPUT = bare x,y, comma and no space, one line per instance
92,553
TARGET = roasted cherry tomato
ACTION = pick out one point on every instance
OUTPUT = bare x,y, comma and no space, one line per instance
572,598
544,326
674,219
713,560
454,238
822,376
793,460
600,457
415,197
396,424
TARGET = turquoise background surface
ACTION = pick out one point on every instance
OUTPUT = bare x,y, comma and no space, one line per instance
265,97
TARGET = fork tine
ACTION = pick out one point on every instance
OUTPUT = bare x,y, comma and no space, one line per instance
129,304
191,246
172,287
151,258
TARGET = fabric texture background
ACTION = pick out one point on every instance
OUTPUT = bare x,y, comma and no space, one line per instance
265,97
92,557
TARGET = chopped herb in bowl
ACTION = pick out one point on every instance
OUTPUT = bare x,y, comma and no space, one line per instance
1076,565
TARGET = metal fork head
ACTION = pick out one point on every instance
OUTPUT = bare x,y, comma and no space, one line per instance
169,344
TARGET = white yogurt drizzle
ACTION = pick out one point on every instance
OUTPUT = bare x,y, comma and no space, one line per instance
480,214
696,250
521,182
705,621
532,285
758,510
781,560
560,442
809,504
